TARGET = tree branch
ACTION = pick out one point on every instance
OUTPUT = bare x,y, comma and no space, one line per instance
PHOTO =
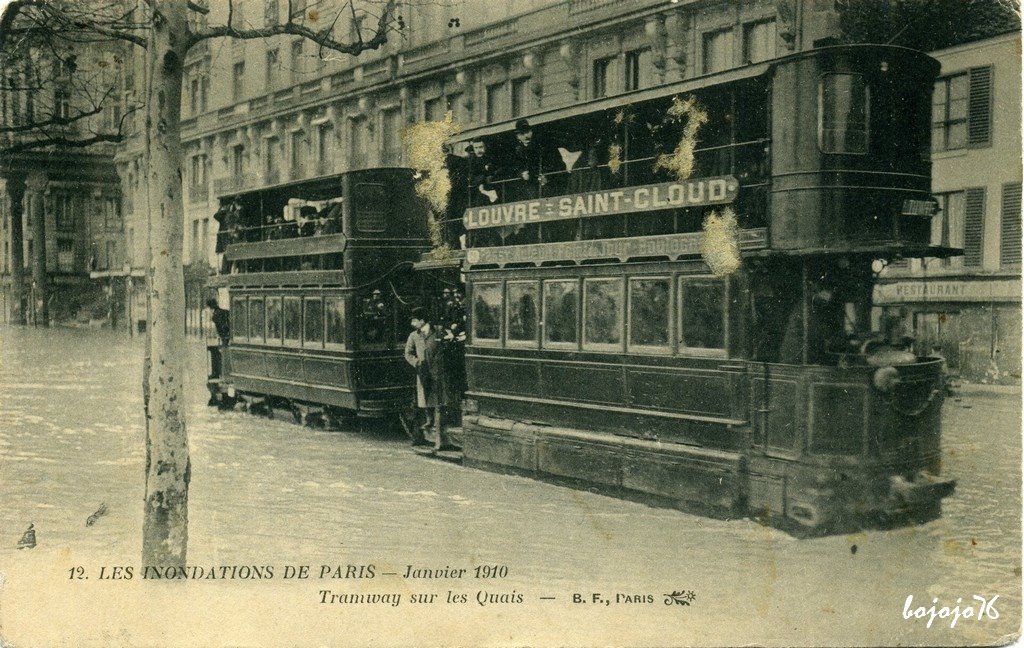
62,142
322,37
16,7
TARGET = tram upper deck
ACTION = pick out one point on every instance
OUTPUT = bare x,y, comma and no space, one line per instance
821,151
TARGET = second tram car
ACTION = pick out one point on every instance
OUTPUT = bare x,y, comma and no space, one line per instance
318,274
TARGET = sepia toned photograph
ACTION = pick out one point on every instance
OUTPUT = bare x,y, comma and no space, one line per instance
529,323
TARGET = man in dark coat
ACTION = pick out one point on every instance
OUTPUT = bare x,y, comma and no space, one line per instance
482,174
222,323
423,353
525,164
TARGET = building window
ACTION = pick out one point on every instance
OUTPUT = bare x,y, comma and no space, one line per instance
432,110
238,80
271,163
358,143
296,61
391,126
193,96
204,90
718,50
197,171
111,213
638,66
602,69
519,95
974,227
843,105
1010,225
300,152
65,216
948,225
65,255
273,67
962,110
495,104
238,160
453,104
759,41
112,260
271,12
61,104
325,146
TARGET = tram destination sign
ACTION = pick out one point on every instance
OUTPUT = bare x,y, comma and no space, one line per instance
671,245
697,192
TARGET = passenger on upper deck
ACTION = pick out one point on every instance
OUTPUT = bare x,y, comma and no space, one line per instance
525,165
482,173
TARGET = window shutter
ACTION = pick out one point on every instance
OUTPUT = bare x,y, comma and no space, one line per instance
979,107
1010,235
974,226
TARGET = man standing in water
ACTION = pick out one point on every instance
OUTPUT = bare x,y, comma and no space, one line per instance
423,353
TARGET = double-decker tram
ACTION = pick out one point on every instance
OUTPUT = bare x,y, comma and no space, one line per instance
709,343
319,279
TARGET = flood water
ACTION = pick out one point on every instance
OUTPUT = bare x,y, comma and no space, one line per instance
268,492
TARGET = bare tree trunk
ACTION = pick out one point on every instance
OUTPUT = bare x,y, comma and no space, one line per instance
16,188
165,524
36,184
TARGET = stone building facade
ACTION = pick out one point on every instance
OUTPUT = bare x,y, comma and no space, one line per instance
61,218
970,305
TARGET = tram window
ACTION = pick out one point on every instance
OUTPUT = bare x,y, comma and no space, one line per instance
648,314
292,320
602,314
313,322
239,319
843,109
521,310
274,320
561,308
701,313
256,320
370,201
334,312
487,312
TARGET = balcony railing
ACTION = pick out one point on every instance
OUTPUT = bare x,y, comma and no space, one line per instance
424,52
491,33
230,184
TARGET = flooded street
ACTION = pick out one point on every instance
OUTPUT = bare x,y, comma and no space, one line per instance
268,492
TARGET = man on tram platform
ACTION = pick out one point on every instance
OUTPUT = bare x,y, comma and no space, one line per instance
423,353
